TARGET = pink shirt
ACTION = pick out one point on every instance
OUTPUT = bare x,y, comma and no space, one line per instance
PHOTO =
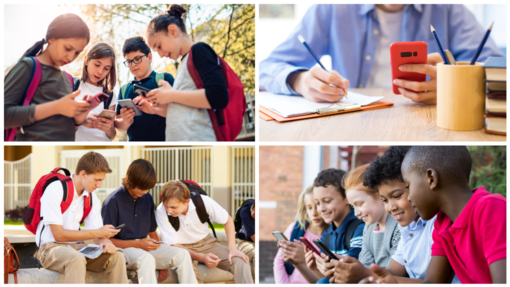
476,239
280,275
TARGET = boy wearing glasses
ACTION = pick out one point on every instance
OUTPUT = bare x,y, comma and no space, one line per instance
146,127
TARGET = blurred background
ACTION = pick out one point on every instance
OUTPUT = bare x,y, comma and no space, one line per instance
228,28
285,171
287,16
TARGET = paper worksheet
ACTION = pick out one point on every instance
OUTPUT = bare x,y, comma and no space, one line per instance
296,105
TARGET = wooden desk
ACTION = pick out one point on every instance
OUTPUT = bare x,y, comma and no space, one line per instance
405,121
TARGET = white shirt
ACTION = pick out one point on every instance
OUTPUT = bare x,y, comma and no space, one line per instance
191,230
70,220
390,32
88,134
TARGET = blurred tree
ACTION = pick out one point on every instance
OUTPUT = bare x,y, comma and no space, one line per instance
489,168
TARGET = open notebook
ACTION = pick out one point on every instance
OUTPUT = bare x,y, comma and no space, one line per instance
288,106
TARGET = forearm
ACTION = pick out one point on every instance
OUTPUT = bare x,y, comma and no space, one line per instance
112,132
125,243
231,233
79,119
317,273
98,241
161,110
122,125
46,110
194,255
195,98
308,274
64,235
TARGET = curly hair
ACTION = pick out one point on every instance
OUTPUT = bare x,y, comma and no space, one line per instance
385,168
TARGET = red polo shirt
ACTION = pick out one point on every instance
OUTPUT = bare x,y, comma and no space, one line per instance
476,239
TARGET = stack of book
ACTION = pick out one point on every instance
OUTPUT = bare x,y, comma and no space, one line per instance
495,101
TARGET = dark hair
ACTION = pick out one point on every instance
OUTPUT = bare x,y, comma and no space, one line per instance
385,168
253,204
63,27
92,162
135,44
161,22
98,51
452,162
140,174
331,176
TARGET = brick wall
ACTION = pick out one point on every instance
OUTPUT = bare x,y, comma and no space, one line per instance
267,251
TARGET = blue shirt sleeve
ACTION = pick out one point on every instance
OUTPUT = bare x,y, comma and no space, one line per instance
356,241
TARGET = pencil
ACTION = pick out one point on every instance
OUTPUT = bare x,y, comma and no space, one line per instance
481,45
316,59
439,47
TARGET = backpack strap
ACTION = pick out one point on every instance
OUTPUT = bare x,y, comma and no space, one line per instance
201,211
109,101
174,221
70,78
123,90
76,85
57,169
87,207
159,76
350,232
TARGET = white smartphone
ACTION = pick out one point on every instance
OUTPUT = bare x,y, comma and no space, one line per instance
107,114
130,105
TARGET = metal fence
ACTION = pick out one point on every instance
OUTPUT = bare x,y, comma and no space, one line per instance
17,183
243,175
193,163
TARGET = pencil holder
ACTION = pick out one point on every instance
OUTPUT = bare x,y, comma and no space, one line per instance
460,96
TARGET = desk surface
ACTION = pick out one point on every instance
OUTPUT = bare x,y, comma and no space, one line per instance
405,121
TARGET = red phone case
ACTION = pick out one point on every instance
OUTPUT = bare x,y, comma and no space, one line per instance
407,53
97,99
309,245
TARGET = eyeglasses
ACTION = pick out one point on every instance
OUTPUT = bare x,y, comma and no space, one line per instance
136,60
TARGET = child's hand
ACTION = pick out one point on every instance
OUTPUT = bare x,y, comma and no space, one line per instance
210,260
104,124
320,260
127,115
144,105
292,252
350,270
382,276
90,121
310,259
161,95
68,107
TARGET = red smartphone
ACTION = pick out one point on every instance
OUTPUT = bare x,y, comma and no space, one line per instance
309,245
407,53
97,99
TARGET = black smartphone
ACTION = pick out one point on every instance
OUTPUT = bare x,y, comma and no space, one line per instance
325,249
158,242
120,226
140,90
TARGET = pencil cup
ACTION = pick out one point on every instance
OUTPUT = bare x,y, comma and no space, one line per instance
460,96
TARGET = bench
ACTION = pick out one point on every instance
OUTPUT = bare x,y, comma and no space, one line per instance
19,237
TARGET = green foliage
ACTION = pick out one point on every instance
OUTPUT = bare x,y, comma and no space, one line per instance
489,168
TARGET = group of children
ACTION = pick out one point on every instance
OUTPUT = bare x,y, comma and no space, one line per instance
125,227
407,217
173,110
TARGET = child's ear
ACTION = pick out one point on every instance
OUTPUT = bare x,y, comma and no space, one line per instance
432,178
173,30
150,57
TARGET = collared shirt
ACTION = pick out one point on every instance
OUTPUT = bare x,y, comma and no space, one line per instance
146,127
350,33
137,213
476,239
248,222
337,237
70,220
191,230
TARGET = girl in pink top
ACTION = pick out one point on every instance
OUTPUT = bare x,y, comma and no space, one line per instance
289,264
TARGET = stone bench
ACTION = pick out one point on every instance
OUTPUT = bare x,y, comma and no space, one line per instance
45,276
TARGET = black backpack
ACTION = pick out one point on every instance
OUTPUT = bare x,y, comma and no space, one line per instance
105,103
195,193
348,234
237,221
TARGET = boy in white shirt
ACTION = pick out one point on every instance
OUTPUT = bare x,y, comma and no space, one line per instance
57,232
193,235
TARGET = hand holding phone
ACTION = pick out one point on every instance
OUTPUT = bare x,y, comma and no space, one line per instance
309,245
325,249
130,105
97,99
107,114
142,91
120,226
158,242
402,53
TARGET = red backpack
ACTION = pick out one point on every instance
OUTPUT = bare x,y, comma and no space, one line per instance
227,123
32,213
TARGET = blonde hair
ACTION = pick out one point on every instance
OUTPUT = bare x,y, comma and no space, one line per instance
301,215
354,180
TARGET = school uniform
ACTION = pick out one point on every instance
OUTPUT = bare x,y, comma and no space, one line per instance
476,239
58,256
138,215
194,235
243,236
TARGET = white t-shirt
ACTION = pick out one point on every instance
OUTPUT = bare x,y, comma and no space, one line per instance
191,230
88,134
70,220
391,32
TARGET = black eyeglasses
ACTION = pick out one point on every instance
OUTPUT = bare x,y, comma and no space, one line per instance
136,60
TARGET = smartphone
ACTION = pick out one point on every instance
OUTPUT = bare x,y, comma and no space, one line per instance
279,235
97,99
325,249
407,53
107,114
120,226
158,242
130,105
309,245
140,90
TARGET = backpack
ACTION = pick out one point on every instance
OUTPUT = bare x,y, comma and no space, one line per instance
195,193
349,233
35,79
123,89
237,221
227,123
106,103
32,213
10,257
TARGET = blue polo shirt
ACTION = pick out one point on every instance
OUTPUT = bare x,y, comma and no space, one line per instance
248,222
138,214
337,239
146,127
